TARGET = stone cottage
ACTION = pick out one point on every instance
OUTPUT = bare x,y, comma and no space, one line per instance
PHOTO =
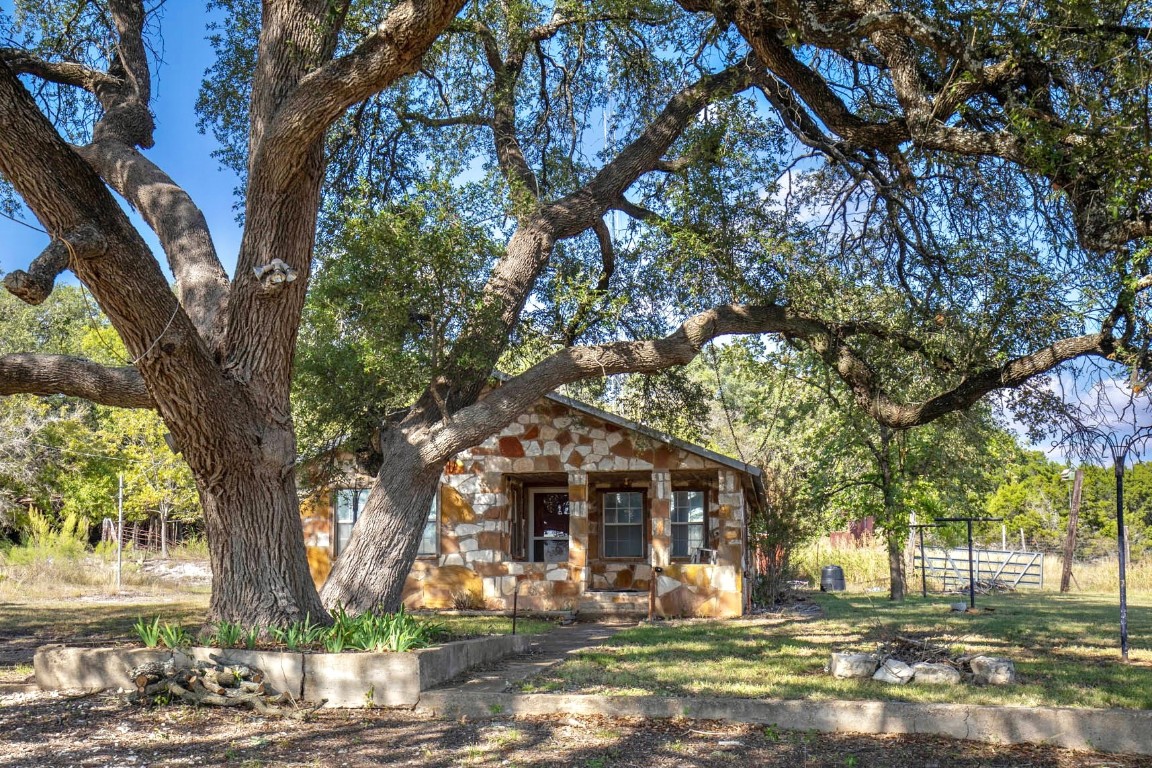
571,508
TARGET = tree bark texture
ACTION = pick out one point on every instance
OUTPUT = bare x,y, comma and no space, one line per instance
896,566
213,357
895,525
371,571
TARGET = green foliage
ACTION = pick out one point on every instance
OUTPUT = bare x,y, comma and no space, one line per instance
148,631
370,631
1033,497
227,634
390,294
174,636
298,635
66,457
46,540
251,637
394,632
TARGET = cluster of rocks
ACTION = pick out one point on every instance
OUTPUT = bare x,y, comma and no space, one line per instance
981,670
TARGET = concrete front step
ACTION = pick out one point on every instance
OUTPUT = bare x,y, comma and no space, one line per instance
613,604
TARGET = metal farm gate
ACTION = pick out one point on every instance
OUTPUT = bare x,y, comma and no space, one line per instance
992,567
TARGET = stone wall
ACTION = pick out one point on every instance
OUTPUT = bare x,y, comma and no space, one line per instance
555,446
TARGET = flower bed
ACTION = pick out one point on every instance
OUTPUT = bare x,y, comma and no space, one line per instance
343,679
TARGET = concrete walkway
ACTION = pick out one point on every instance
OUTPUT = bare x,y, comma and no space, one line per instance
548,650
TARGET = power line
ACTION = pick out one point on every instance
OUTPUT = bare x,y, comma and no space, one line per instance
32,227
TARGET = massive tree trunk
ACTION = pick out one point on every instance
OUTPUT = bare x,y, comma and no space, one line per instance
214,357
259,572
371,571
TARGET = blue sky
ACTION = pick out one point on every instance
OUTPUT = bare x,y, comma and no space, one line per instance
181,150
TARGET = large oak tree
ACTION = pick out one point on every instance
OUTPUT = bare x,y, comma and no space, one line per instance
902,108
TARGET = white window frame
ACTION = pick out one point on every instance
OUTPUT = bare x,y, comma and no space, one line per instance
432,519
703,524
532,537
605,525
356,491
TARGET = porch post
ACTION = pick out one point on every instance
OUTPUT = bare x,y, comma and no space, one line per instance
578,528
730,547
660,512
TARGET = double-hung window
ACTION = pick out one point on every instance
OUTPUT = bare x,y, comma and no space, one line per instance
688,522
430,537
350,502
623,524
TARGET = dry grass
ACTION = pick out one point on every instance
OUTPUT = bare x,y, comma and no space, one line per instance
1101,575
62,569
866,569
49,576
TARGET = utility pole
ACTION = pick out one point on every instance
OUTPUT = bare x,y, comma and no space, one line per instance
1073,522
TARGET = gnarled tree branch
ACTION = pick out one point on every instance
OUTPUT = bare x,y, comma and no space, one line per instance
35,285
392,51
75,377
576,212
583,315
71,73
201,282
472,424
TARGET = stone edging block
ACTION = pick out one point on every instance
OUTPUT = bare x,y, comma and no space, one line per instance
345,679
1106,730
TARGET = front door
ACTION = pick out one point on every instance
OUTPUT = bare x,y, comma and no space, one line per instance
549,525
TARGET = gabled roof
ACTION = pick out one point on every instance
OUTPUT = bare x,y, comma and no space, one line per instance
655,434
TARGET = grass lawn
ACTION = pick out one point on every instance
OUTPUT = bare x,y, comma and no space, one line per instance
473,626
1066,650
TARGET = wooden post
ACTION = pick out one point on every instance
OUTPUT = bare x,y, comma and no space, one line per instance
1073,521
120,533
923,566
656,571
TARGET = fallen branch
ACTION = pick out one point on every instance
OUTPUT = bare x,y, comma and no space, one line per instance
222,684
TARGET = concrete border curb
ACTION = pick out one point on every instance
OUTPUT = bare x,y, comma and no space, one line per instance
343,679
1104,730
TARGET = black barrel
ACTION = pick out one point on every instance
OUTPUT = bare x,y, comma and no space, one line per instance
831,579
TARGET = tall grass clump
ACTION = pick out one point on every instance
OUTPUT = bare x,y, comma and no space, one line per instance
43,541
864,567
49,556
1101,575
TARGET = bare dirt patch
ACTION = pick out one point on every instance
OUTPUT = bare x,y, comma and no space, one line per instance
90,620
51,731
